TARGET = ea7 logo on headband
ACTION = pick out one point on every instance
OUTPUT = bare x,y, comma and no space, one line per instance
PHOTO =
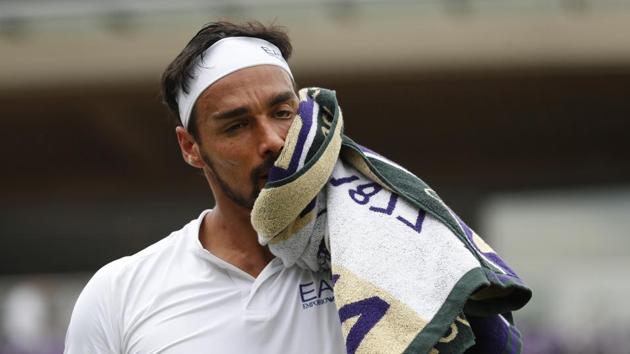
271,51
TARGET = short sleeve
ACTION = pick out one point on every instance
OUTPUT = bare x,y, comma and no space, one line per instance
94,325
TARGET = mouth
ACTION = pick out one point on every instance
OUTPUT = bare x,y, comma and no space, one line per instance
261,173
263,177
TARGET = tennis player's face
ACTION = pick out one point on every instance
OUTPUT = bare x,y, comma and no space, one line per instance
242,122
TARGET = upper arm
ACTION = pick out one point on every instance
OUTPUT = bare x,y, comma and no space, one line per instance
94,323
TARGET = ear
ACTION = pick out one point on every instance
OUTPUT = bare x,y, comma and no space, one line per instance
189,148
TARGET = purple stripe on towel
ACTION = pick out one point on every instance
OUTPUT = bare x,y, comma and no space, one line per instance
491,256
306,112
276,173
367,150
364,149
493,335
309,207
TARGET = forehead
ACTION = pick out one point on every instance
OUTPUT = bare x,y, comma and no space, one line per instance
237,88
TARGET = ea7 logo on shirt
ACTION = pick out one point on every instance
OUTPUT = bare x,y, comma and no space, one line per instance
316,293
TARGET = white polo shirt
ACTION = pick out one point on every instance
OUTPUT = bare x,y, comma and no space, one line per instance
176,297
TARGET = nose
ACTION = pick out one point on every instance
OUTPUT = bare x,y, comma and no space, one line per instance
271,138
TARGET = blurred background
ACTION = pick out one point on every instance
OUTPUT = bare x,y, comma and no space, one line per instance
516,112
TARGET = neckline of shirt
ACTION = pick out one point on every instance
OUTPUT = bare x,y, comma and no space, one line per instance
274,266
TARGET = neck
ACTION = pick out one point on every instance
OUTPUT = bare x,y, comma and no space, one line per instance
227,233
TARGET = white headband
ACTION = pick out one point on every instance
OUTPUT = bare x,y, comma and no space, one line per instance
222,58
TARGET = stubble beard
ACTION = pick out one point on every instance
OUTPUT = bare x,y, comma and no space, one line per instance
246,202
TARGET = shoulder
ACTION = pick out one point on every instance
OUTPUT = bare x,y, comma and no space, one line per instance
110,277
92,327
96,324
149,259
96,321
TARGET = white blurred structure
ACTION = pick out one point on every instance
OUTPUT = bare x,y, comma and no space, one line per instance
78,41
572,248
26,318
34,312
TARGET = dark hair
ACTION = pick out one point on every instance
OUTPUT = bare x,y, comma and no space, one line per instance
179,72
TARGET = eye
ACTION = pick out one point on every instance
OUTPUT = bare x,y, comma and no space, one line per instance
284,114
235,127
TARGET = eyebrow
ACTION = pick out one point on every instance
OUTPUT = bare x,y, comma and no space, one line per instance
281,97
233,113
239,111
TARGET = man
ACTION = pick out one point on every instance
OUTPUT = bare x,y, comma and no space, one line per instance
408,274
211,287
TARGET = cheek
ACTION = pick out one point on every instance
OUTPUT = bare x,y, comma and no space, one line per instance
229,155
284,127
